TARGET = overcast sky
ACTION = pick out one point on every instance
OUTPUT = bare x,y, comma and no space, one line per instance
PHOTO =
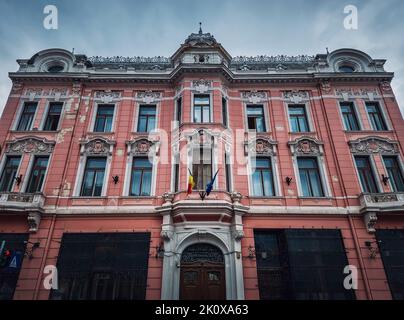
253,27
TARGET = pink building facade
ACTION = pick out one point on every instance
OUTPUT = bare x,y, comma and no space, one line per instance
96,155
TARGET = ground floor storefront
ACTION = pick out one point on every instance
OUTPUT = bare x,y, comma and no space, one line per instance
258,257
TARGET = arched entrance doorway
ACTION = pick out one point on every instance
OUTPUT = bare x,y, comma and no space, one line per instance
202,273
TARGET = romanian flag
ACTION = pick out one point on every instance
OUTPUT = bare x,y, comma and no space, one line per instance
191,183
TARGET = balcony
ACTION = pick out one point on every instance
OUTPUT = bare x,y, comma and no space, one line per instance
390,201
29,203
373,204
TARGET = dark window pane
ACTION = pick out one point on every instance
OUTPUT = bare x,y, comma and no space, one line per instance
224,111
301,264
103,266
9,173
298,118
394,173
366,175
93,177
27,116
103,121
37,175
262,178
201,108
141,177
256,118
391,245
147,119
375,116
202,167
52,120
15,242
349,116
310,180
179,110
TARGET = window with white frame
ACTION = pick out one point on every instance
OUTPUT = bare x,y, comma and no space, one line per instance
53,116
146,118
310,169
263,178
37,174
394,172
27,116
376,117
9,173
104,118
298,118
94,165
256,117
366,174
141,170
349,116
201,108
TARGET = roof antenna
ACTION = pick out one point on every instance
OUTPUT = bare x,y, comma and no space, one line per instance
73,51
327,50
200,27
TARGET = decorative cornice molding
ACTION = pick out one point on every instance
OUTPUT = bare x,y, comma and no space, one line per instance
97,146
296,96
202,85
142,146
260,146
149,97
254,97
107,96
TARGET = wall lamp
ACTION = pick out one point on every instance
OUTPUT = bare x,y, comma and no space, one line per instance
18,179
115,179
29,251
288,180
385,179
373,251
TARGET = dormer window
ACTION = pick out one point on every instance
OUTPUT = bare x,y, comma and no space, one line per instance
346,69
55,68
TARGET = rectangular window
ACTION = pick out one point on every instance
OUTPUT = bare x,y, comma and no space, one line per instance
103,120
394,173
147,119
228,172
102,266
349,116
366,175
37,175
53,117
256,118
16,243
27,116
141,177
299,264
310,180
179,110
93,178
391,245
262,178
298,118
376,116
202,167
224,111
176,177
9,173
201,108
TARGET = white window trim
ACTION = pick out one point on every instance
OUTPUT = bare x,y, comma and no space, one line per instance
275,175
400,165
266,116
46,111
94,116
383,112
80,174
373,168
309,116
20,110
193,94
325,183
357,115
3,164
156,122
29,171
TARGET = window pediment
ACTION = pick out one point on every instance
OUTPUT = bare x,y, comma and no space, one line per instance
371,145
306,146
33,145
260,146
143,147
97,146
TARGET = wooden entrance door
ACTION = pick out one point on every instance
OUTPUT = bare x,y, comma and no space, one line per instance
202,273
202,281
